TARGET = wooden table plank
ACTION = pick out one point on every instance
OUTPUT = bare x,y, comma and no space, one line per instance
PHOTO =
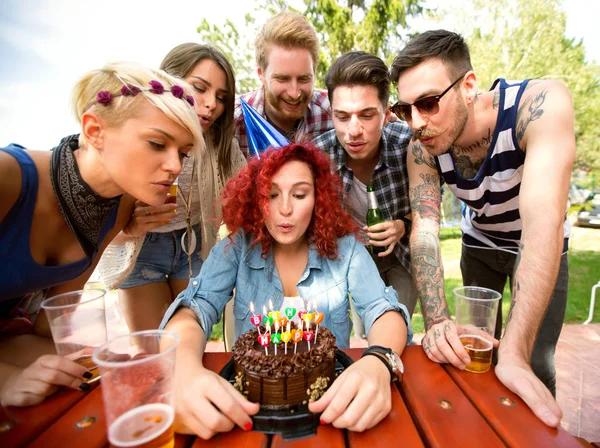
516,424
426,387
327,436
234,438
65,432
398,425
26,425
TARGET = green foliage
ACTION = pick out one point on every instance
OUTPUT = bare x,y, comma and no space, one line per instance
519,39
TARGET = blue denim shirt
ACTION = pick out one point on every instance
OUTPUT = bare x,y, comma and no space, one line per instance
256,279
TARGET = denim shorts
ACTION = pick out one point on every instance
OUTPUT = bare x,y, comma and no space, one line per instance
162,258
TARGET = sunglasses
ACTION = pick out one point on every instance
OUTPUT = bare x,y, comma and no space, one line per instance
426,106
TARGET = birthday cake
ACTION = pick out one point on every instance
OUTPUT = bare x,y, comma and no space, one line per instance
280,378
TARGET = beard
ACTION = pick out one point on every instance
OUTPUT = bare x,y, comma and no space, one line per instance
275,102
459,117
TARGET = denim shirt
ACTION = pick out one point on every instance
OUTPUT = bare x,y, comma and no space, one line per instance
327,282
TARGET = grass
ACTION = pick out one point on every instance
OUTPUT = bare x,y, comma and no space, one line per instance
584,272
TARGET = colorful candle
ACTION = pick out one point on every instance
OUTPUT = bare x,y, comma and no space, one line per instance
290,312
263,340
318,317
286,336
308,335
296,337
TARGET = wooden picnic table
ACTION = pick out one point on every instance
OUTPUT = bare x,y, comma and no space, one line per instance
435,406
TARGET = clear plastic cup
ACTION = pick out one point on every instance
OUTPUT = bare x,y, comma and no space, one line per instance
78,324
476,315
137,388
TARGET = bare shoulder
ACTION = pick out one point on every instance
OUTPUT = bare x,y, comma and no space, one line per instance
10,183
544,105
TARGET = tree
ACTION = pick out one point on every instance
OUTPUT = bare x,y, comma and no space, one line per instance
377,26
519,39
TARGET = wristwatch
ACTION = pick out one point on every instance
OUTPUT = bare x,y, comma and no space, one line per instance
390,358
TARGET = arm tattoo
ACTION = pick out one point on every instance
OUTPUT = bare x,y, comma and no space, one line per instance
425,198
429,276
529,111
420,157
516,287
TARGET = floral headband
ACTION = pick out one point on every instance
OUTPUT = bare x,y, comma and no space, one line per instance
104,97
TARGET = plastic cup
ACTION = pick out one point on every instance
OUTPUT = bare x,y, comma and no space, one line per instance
137,388
476,314
78,324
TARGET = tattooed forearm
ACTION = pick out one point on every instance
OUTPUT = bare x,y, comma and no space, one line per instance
530,110
428,274
422,157
516,286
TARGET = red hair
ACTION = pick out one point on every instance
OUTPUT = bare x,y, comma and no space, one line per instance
246,199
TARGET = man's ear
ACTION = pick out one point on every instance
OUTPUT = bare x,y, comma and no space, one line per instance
261,75
93,129
470,85
387,114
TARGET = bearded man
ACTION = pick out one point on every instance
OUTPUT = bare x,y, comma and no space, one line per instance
507,154
287,54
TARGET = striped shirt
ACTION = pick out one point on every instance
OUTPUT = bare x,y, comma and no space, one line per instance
316,120
491,219
390,177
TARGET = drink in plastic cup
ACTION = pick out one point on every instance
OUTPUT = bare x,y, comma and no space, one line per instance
137,388
78,324
476,314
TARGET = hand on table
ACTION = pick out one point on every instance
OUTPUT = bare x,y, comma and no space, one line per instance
146,218
42,379
386,233
206,404
442,344
359,398
521,380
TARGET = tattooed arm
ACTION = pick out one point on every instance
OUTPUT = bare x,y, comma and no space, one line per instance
545,131
441,343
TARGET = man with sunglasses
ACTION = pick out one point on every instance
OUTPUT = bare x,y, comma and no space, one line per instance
366,149
507,154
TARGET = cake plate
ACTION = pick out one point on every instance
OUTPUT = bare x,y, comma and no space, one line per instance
302,423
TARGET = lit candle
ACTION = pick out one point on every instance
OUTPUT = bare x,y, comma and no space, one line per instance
308,335
267,324
263,340
318,317
296,337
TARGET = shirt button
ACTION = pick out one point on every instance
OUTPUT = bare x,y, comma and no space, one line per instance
387,290
195,283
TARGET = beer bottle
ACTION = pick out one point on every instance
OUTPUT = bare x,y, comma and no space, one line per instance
374,216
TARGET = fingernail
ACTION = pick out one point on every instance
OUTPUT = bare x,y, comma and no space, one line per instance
466,360
84,386
248,426
87,375
323,422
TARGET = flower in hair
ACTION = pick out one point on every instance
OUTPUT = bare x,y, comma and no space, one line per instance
177,91
130,90
104,97
190,99
156,87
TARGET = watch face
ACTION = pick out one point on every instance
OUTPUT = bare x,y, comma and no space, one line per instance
396,362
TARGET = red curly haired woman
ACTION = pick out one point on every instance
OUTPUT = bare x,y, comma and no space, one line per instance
290,240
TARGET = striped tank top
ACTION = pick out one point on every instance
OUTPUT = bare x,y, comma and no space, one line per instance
491,219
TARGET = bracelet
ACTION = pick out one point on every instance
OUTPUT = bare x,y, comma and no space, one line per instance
407,225
387,365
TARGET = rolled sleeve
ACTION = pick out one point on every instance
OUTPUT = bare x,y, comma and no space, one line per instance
369,293
208,293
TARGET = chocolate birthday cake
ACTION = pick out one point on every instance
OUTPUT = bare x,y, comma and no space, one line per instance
284,382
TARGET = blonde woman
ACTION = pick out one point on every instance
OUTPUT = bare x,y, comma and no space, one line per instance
61,208
164,245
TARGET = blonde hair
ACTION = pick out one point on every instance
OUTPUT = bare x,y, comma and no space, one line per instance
289,30
112,77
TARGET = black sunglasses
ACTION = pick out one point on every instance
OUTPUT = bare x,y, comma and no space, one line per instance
426,106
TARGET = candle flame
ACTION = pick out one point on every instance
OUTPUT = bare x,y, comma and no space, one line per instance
252,307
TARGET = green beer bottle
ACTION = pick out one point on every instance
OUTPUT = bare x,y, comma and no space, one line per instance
374,216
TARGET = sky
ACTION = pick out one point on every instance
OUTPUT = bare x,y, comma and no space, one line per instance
46,45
